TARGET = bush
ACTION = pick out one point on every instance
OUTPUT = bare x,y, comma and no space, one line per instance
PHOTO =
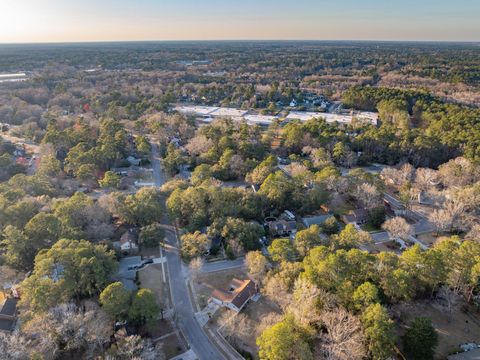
331,226
230,253
376,217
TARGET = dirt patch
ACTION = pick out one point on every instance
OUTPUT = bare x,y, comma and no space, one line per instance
151,278
428,239
172,346
460,326
159,328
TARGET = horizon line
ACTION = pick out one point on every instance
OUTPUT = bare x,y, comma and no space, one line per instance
239,40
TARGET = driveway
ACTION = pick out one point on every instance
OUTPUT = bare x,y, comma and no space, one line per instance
223,265
379,237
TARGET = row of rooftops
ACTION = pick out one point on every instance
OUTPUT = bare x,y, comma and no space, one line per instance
209,113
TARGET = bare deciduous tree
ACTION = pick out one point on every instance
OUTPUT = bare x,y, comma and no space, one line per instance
14,347
441,219
474,233
307,302
235,327
425,179
459,172
449,299
398,227
196,267
368,195
198,145
267,321
135,348
237,166
257,265
341,338
276,289
69,328
398,177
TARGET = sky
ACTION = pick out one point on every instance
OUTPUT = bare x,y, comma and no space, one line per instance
130,20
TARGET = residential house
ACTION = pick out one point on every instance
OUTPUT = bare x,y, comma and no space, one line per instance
357,216
282,227
133,160
239,294
315,220
128,241
8,314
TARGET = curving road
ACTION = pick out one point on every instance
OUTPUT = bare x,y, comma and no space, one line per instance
196,337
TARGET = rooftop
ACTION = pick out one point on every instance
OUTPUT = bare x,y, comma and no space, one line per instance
333,118
228,112
196,110
129,236
6,325
9,307
242,291
260,119
315,220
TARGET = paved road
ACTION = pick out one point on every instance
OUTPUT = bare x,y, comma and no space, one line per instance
394,202
197,339
423,226
223,265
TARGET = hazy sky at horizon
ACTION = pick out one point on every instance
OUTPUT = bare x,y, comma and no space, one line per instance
108,20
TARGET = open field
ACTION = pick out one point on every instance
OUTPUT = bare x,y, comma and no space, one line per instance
151,278
459,327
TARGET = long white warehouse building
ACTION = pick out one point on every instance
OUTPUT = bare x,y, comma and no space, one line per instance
209,113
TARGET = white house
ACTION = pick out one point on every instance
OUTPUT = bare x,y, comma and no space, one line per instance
128,241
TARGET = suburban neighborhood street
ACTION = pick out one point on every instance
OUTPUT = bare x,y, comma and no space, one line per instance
194,334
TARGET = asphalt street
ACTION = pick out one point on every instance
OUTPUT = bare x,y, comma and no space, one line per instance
194,334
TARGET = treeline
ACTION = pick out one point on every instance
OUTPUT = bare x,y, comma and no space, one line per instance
415,126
